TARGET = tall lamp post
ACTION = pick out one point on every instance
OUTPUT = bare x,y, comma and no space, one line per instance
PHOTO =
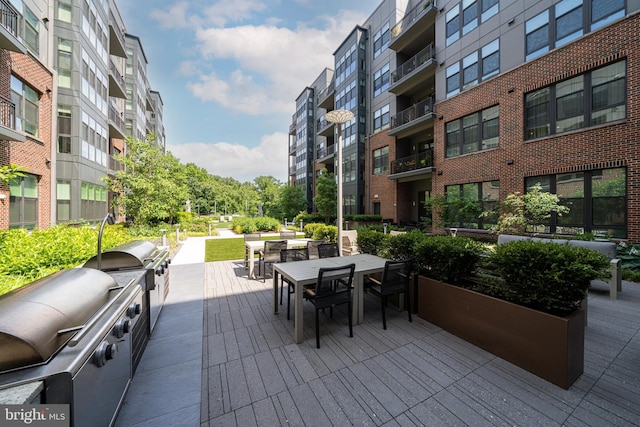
339,117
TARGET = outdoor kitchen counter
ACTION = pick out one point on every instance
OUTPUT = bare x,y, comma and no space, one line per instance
22,394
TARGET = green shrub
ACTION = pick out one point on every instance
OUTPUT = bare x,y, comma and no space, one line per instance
446,258
310,229
265,223
403,246
372,242
546,277
363,218
325,232
311,218
244,225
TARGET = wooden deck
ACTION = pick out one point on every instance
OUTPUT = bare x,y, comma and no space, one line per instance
411,374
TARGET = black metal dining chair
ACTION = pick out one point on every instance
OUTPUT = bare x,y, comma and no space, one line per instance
395,280
333,287
290,255
269,255
285,235
327,250
312,248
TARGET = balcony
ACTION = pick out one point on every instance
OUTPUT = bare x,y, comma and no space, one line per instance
324,128
292,170
115,165
8,130
293,147
149,101
416,74
413,165
9,24
116,82
116,124
292,126
413,120
117,44
415,27
326,97
325,153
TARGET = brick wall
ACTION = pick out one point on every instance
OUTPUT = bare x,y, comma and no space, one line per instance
32,153
604,146
379,184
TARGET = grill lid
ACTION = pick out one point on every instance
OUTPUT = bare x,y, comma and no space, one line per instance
136,253
32,316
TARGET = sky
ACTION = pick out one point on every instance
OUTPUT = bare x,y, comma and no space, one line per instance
229,73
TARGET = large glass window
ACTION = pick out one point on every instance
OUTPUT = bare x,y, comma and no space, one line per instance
349,169
475,132
476,66
381,118
31,31
565,105
467,15
470,70
64,10
27,104
490,59
605,11
381,80
23,202
63,193
64,129
569,22
537,35
453,79
453,25
597,202
64,63
381,161
381,40
465,202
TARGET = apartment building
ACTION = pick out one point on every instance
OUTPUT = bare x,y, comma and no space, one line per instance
66,107
27,94
485,98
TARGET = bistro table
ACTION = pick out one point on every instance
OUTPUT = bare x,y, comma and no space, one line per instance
302,273
254,246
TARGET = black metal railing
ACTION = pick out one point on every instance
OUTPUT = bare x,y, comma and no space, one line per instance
9,17
414,112
322,124
7,113
411,16
425,55
326,151
324,93
413,162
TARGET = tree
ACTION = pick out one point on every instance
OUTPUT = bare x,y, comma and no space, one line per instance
326,195
268,191
292,200
7,173
153,185
528,212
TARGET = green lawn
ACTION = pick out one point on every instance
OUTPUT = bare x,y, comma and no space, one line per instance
223,249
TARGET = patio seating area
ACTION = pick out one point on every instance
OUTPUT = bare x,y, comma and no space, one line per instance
219,356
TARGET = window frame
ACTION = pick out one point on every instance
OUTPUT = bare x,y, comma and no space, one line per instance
19,203
380,161
465,127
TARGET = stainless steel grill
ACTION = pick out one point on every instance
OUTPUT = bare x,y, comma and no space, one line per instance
71,331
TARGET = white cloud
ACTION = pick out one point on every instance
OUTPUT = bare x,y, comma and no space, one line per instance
177,16
181,15
235,11
238,161
272,64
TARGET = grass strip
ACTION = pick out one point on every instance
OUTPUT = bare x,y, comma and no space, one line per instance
223,249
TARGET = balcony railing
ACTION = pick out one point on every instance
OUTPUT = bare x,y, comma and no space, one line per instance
115,117
9,17
414,112
115,165
326,152
116,74
425,55
7,113
411,16
412,163
292,147
292,170
322,124
326,91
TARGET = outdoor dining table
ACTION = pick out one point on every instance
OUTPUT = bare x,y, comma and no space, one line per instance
254,246
302,273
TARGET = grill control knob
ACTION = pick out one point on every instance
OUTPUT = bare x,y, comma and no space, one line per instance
160,271
121,328
104,353
133,310
165,264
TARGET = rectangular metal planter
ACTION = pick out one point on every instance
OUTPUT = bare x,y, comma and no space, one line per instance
548,346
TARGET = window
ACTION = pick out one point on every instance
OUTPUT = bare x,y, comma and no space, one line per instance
64,129
64,63
64,10
349,168
381,118
381,80
587,100
93,201
597,201
473,70
453,25
27,102
472,13
31,31
64,201
475,132
381,161
349,205
381,40
466,201
23,202
567,20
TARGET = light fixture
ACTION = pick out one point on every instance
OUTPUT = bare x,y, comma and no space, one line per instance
375,196
509,162
439,173
440,117
339,117
511,89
